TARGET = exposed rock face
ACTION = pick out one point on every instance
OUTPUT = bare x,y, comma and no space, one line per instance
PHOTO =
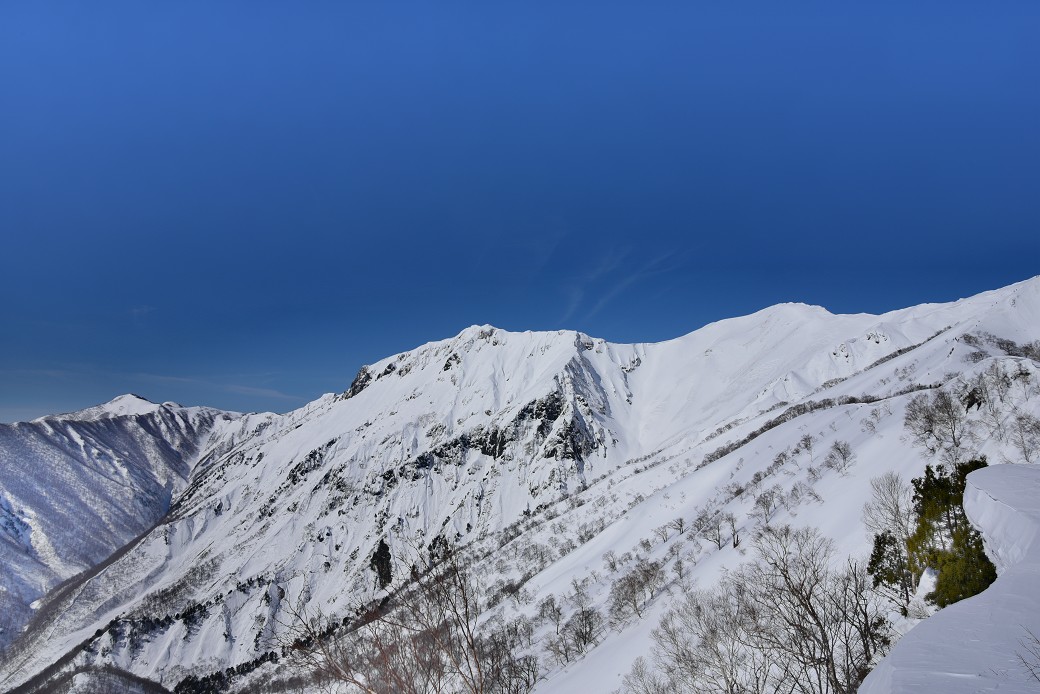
381,564
360,382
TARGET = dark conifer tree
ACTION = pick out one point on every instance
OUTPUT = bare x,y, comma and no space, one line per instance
943,538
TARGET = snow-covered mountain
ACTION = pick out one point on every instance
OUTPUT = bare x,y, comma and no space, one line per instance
76,487
543,451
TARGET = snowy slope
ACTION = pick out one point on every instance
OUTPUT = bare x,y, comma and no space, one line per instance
973,646
76,487
546,449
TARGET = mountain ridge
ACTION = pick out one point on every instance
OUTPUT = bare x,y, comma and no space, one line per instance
467,437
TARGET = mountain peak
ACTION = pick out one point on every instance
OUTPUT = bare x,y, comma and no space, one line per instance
128,399
128,404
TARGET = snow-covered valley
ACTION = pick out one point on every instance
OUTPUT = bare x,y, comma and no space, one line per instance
562,461
76,487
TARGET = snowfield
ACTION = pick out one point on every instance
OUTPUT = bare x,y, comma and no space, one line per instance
560,460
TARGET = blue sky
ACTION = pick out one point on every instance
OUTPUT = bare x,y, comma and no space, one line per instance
238,204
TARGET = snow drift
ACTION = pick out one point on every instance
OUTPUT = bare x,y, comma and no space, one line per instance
974,645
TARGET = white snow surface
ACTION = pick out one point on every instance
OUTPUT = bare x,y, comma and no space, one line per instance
973,645
574,445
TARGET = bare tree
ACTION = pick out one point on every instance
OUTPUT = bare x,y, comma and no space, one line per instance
1024,378
581,631
889,517
767,503
821,627
709,524
734,537
891,506
997,382
808,443
784,622
643,679
704,645
550,611
423,640
938,424
1029,657
679,567
662,531
800,491
991,405
870,422
1025,436
625,600
840,457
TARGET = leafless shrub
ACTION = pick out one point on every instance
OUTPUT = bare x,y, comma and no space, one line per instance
807,443
734,537
643,679
976,356
709,525
890,508
1029,656
890,512
840,457
662,532
424,639
1025,436
938,424
800,493
767,503
549,610
581,631
783,622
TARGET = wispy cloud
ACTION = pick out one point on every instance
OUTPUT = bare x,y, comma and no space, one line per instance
49,373
545,244
610,277
138,312
586,281
168,379
657,266
260,392
237,388
232,384
23,414
575,295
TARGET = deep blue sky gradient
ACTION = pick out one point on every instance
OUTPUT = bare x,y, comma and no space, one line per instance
239,203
